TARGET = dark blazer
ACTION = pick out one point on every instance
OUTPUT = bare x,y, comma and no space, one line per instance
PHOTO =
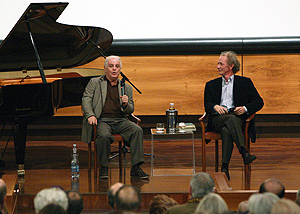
244,94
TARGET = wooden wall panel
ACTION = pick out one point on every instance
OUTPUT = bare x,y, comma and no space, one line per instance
277,78
181,79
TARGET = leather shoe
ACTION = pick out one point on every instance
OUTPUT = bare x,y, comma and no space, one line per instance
139,173
248,158
103,172
226,173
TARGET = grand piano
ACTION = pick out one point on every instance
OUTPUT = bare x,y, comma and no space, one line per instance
37,42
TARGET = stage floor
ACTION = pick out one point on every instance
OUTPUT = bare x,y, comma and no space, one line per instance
47,164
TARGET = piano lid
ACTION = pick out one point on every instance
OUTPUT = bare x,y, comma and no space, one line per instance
58,45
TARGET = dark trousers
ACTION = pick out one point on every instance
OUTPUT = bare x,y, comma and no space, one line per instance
230,128
130,132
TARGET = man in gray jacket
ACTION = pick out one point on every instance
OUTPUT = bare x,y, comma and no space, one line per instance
105,104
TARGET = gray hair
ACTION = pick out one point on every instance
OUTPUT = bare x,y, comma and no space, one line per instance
285,206
261,203
201,184
48,196
3,191
112,57
232,59
212,204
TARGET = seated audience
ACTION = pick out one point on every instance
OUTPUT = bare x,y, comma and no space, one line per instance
52,209
272,185
75,202
159,204
111,194
212,204
262,203
128,200
201,184
53,195
285,206
243,207
3,190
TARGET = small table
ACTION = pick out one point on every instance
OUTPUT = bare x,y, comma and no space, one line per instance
168,171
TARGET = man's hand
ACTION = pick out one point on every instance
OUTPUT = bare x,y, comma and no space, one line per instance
239,110
220,109
92,120
124,100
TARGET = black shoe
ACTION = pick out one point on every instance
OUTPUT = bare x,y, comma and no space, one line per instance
226,171
248,158
103,172
139,173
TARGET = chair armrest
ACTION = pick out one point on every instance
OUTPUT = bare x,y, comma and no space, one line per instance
137,120
202,123
202,117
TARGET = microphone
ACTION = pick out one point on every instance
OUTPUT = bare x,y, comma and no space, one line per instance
123,87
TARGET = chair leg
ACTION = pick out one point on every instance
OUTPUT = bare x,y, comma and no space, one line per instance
203,155
120,158
216,156
90,157
95,161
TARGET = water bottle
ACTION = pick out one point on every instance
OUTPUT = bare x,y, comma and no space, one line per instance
74,163
172,118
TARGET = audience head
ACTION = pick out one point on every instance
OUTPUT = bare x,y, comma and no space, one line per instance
111,193
128,199
2,191
298,200
212,204
159,204
272,185
75,202
261,203
243,207
285,206
53,195
52,209
201,184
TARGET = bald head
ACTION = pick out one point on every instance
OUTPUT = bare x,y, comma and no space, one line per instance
111,193
272,185
128,198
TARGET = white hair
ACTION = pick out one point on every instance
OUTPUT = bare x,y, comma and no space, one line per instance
112,57
212,203
48,196
261,203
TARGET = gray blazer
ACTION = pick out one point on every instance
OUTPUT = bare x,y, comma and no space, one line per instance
93,100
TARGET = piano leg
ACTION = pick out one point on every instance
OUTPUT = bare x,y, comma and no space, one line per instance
20,131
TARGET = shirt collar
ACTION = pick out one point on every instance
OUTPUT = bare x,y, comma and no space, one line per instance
230,80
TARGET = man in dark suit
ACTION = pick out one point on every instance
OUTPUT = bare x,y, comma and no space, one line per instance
230,100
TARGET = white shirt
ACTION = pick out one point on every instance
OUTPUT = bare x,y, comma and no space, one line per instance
227,93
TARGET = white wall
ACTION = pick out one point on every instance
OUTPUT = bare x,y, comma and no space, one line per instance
128,19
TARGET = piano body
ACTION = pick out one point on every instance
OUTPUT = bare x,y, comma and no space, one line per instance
38,42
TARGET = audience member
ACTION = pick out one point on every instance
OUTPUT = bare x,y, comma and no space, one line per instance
272,185
201,184
285,206
111,194
243,207
75,202
3,191
53,195
261,203
128,200
212,204
52,209
298,200
159,204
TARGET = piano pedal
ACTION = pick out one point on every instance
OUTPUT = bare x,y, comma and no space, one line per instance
21,170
